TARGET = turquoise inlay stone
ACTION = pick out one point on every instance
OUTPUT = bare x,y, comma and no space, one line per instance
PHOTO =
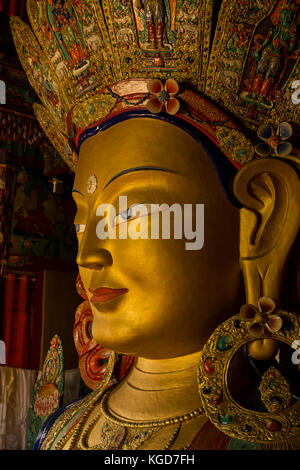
272,384
224,343
226,419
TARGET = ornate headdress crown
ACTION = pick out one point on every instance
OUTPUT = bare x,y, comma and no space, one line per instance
89,58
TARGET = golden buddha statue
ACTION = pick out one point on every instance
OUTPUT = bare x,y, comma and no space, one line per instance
128,129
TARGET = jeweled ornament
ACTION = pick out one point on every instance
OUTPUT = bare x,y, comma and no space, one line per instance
224,343
92,184
209,366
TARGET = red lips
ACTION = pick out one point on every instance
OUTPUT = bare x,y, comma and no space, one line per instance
103,294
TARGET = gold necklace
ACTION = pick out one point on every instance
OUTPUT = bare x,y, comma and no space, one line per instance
111,416
118,433
114,437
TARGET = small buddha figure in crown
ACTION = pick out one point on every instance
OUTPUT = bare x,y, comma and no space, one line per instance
65,25
155,18
270,56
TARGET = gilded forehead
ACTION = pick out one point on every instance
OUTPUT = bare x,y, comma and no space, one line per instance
138,143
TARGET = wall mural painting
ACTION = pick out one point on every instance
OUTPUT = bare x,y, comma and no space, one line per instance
43,222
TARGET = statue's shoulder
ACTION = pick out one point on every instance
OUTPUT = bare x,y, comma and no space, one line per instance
60,423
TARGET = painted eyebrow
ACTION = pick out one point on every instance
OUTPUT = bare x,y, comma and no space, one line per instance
77,191
138,168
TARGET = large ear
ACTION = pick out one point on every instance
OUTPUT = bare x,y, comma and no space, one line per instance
269,190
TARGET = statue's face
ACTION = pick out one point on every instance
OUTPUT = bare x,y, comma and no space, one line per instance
171,298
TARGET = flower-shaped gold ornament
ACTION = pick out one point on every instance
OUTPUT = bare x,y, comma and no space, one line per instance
264,320
163,96
274,142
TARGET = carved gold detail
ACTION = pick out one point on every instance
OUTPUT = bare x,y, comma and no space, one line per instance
102,44
234,144
275,390
232,418
92,110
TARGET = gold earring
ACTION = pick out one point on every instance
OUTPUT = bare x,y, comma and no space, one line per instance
270,413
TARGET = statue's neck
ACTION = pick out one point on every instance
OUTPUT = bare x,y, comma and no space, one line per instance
157,389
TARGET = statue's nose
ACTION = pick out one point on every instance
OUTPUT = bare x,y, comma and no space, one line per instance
93,256
91,252
97,259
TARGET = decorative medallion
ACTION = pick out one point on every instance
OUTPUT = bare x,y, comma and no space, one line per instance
274,142
220,398
92,184
163,96
275,390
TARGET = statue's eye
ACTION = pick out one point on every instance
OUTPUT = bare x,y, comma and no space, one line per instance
125,216
136,211
80,228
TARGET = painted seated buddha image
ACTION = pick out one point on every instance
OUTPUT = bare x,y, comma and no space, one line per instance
187,220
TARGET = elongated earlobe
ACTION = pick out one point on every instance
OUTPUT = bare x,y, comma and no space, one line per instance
269,190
